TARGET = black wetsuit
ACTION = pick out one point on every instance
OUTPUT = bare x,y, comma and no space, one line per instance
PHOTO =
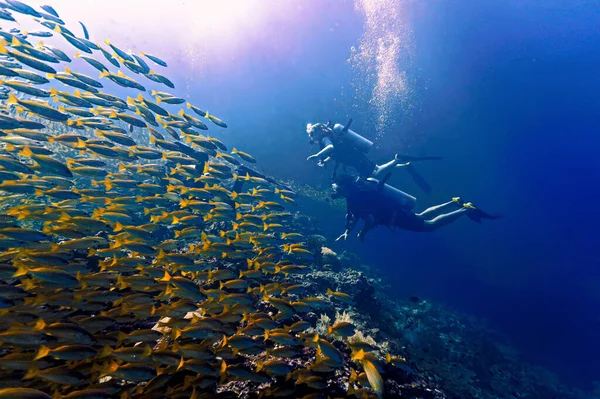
346,154
365,201
407,220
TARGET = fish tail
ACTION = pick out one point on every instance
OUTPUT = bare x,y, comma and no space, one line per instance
31,373
42,352
21,271
12,99
105,352
26,152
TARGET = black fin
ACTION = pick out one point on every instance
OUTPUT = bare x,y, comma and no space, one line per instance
477,215
408,158
383,181
347,127
418,179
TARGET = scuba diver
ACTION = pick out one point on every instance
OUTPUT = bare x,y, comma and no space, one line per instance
379,204
348,148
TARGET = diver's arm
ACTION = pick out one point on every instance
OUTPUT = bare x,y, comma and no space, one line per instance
351,222
325,151
349,218
323,162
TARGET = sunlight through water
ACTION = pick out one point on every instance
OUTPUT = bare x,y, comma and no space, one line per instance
222,20
188,31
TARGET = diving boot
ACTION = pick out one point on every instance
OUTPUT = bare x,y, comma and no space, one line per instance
458,200
468,205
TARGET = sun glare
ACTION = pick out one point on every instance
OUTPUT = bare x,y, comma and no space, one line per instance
166,22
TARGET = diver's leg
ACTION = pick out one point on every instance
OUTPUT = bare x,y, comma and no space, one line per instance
351,222
387,168
443,220
382,170
437,209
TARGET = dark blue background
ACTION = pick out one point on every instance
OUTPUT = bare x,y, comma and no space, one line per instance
507,92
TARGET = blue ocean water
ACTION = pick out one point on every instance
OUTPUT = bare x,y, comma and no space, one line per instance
505,91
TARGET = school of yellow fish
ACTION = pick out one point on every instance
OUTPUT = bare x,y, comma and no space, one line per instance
128,269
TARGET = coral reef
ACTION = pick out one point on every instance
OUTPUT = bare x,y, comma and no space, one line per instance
447,354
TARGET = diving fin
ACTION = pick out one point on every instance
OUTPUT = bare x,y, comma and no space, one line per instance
383,181
408,158
418,179
477,215
347,126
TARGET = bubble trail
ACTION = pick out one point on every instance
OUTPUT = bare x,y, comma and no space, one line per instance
379,60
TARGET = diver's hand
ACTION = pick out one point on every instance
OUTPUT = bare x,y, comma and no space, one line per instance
343,237
361,236
322,164
310,158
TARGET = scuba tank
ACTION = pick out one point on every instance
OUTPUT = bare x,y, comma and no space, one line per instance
398,197
358,141
404,200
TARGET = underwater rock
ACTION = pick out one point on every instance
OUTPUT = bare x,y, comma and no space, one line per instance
418,389
329,259
350,281
349,260
314,242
